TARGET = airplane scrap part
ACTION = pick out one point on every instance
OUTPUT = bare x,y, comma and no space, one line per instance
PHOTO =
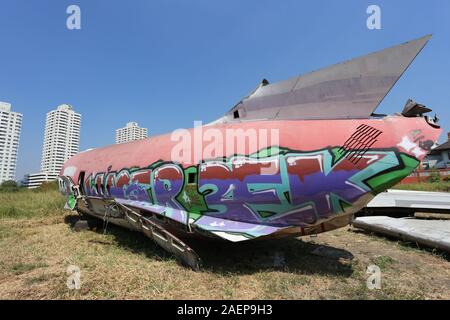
351,89
117,213
429,233
331,156
163,238
411,200
414,109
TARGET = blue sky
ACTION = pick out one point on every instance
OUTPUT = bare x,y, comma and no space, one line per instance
166,63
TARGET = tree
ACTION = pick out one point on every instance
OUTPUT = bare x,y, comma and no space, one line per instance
9,186
48,186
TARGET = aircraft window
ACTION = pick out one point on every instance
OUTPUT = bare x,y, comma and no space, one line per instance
236,114
81,182
191,177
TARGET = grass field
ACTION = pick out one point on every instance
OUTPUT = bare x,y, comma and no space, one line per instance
37,244
443,186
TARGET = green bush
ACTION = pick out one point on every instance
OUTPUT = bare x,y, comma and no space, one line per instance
9,186
48,186
434,176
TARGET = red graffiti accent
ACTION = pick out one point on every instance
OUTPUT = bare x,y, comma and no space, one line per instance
123,179
303,167
168,173
365,161
347,165
141,176
243,168
216,170
167,184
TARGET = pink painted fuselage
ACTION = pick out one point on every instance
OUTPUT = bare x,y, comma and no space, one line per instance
297,174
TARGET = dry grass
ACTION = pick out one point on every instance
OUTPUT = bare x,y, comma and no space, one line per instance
30,204
36,251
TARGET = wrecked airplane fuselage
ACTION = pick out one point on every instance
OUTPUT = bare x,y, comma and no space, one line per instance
293,158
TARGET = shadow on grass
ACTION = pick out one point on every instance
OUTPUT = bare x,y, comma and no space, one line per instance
224,257
132,241
286,255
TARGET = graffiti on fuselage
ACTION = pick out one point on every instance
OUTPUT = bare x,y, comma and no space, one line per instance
276,186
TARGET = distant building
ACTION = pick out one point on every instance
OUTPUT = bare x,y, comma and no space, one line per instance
131,132
10,127
61,138
61,141
439,157
36,179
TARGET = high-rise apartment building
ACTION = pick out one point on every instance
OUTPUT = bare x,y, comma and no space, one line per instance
61,141
61,138
10,127
131,132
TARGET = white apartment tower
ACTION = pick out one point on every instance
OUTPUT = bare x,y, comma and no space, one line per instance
10,126
131,132
61,138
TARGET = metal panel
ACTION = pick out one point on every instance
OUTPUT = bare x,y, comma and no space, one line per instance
419,200
352,89
434,234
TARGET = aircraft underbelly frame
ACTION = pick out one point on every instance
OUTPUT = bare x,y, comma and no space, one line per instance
109,210
154,226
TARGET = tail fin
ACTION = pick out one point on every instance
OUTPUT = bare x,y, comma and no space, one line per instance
351,89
